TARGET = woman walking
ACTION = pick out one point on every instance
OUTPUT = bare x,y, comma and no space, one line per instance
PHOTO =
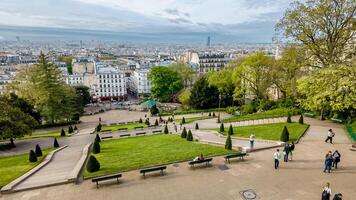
328,162
326,194
336,157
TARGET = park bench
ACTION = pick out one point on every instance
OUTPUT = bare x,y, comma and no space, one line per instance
138,127
152,126
152,169
130,122
105,131
141,133
235,155
337,120
106,137
122,129
309,114
113,124
121,123
198,162
106,177
125,135
157,131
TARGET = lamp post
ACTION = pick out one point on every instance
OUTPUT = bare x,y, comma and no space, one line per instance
219,108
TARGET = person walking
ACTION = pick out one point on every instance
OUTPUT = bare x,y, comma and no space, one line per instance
277,157
326,194
175,127
336,157
291,149
252,140
330,136
286,152
328,162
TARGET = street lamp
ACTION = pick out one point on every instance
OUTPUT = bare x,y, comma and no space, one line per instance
219,108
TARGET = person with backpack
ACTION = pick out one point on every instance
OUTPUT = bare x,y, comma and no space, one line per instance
326,194
286,151
336,157
338,196
291,149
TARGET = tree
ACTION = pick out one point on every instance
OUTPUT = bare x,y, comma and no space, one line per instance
222,129
228,143
184,97
196,126
96,147
32,156
190,136
166,83
98,127
231,130
63,133
83,95
70,129
165,129
93,164
185,71
154,110
289,119
68,61
285,135
38,151
301,120
97,138
325,28
55,143
156,122
223,81
184,133
183,120
204,96
24,105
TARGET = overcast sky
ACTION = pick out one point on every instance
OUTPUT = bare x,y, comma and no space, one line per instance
147,16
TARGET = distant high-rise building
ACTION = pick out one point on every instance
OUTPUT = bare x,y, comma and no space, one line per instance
208,42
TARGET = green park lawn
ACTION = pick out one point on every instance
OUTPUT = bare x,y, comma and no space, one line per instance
12,167
268,131
140,152
128,126
192,119
52,134
278,112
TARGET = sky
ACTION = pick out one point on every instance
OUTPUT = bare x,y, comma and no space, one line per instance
248,18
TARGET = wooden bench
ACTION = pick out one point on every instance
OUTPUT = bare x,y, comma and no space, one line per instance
157,131
106,137
107,177
235,155
138,127
152,126
121,123
152,169
105,131
122,129
336,120
309,114
113,124
141,133
125,135
197,162
130,122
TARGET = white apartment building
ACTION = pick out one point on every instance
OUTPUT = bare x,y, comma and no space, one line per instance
4,80
74,79
138,82
111,84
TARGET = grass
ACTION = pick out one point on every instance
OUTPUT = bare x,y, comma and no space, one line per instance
183,112
128,126
278,112
139,152
12,167
269,131
51,134
192,119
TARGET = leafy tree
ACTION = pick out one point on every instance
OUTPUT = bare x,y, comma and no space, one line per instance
228,143
184,133
222,129
166,83
231,130
96,147
196,126
83,95
63,133
184,97
301,119
38,151
185,71
183,120
98,127
97,138
93,164
156,122
165,129
154,110
24,105
289,119
55,143
285,135
204,96
190,136
32,156
223,81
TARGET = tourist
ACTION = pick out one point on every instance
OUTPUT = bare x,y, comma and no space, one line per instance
338,196
175,127
291,149
328,161
99,119
336,157
277,157
201,157
252,140
180,126
326,194
331,134
286,152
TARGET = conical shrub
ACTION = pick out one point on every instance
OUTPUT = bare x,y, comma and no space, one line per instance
228,143
32,156
214,114
285,135
184,133
93,164
63,133
222,129
196,126
97,138
190,136
96,147
156,123
183,120
301,119
75,128
289,119
70,129
231,130
140,121
165,129
38,151
55,143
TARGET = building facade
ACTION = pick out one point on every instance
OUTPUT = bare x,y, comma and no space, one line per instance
139,84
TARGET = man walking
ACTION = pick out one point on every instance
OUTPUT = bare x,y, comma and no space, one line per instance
286,152
331,134
277,157
252,140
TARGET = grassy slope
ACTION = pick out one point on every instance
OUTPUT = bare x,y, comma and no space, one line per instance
192,119
12,167
278,112
269,131
134,153
129,126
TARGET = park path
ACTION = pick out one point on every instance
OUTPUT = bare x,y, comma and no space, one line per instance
61,165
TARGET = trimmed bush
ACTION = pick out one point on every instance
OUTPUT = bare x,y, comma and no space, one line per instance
196,126
190,136
38,151
98,127
165,129
184,133
183,120
228,143
97,138
140,121
70,129
55,143
285,135
231,130
96,147
75,128
214,114
209,114
154,110
12,144
147,122
222,129
156,123
289,119
93,164
32,156
301,119
63,133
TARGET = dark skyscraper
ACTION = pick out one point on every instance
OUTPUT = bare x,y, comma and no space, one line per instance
208,42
